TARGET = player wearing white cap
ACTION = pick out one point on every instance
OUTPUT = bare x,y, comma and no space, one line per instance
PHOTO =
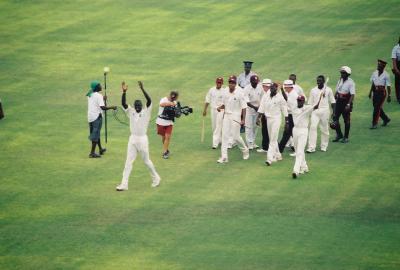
273,106
345,92
252,93
214,98
301,118
234,106
291,98
139,118
266,85
321,115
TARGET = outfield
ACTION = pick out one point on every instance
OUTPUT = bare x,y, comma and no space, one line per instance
59,209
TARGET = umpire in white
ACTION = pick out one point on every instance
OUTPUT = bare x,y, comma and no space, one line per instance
139,118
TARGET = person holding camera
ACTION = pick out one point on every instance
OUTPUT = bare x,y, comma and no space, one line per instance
96,106
234,106
139,119
165,120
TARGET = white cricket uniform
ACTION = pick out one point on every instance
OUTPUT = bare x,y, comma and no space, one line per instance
95,101
215,98
380,80
320,116
138,143
160,121
273,109
301,119
244,80
252,96
234,103
396,52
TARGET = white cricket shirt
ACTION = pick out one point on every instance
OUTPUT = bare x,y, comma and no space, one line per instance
301,116
138,122
234,102
273,107
327,97
215,97
253,96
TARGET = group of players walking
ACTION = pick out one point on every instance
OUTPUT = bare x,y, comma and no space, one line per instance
248,103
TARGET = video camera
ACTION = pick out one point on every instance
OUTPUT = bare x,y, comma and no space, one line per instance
172,112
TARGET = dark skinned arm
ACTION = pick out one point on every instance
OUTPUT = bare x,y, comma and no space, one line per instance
371,90
123,101
389,92
395,67
252,106
148,99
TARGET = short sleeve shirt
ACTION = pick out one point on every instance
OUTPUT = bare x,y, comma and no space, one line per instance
234,102
138,121
253,96
215,97
292,100
273,106
326,99
396,52
380,80
301,116
95,102
244,80
347,87
160,121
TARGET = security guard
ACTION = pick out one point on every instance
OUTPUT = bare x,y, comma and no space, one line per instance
345,92
380,79
244,77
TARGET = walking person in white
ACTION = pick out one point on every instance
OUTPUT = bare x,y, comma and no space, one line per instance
273,106
139,118
301,119
234,106
321,115
214,98
253,93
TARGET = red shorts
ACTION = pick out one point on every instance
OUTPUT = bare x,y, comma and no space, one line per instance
162,130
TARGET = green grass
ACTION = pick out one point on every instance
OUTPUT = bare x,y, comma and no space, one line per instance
59,209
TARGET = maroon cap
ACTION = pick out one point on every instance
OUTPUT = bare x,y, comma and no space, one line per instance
219,80
301,98
254,79
232,78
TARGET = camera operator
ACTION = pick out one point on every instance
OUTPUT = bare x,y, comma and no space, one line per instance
165,120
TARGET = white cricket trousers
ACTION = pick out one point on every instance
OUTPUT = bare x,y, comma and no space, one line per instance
321,117
300,140
138,144
273,126
251,128
231,127
216,122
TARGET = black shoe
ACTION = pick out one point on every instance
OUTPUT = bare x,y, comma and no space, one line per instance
268,163
94,155
292,148
374,127
345,140
165,155
294,175
337,139
102,151
385,123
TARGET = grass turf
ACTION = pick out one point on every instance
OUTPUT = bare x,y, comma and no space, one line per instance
59,209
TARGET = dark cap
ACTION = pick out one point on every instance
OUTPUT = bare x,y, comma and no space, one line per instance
232,78
219,80
382,61
248,63
254,79
301,98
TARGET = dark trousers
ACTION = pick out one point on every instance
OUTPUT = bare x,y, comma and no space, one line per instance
397,83
264,130
340,111
286,134
378,100
1,111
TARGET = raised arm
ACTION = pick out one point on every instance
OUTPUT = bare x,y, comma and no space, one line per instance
123,100
148,99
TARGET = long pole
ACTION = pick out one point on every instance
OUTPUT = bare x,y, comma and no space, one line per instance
105,103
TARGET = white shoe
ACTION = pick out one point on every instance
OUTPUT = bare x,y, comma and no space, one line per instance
255,146
229,146
323,149
156,182
268,162
215,146
311,150
222,160
246,154
121,188
292,154
279,158
261,150
250,147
